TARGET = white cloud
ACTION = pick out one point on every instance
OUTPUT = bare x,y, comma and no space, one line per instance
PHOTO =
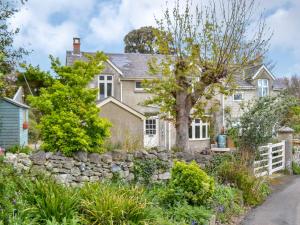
114,19
285,24
103,23
48,37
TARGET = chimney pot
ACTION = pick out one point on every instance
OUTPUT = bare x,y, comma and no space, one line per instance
76,46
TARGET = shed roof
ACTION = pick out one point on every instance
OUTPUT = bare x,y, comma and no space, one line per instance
11,101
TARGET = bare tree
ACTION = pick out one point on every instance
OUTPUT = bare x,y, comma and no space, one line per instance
204,49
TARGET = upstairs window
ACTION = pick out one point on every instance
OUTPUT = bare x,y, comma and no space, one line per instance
263,87
239,96
105,86
199,130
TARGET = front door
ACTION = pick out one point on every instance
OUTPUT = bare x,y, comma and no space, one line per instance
151,132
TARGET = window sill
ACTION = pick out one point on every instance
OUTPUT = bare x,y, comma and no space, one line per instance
139,91
200,139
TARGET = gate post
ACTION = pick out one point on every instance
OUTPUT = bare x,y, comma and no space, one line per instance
270,159
286,134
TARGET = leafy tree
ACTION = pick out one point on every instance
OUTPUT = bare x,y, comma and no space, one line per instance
293,85
204,48
33,79
11,55
261,119
69,117
140,41
293,118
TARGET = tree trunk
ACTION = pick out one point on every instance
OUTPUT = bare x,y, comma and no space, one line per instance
183,109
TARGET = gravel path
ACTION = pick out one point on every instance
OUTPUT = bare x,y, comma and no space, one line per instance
281,208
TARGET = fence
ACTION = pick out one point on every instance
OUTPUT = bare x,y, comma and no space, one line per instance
270,158
296,151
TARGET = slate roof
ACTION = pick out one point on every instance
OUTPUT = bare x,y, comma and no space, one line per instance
279,84
132,65
135,66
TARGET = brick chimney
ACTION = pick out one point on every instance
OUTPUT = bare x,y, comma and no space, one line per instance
76,46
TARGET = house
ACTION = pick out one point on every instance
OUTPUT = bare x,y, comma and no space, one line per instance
13,121
121,95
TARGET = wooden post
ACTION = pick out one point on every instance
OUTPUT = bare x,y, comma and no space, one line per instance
270,160
286,134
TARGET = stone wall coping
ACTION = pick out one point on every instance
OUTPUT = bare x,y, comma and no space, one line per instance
285,130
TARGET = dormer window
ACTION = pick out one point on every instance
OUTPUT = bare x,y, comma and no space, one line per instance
105,86
263,87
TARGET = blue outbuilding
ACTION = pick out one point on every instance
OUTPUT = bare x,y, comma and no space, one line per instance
13,123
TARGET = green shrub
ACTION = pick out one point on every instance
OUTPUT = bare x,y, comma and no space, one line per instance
191,182
187,214
108,204
48,200
73,221
226,202
180,214
234,172
19,149
70,119
10,194
217,160
295,168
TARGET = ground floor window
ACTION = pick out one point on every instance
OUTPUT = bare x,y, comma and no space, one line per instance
150,128
199,130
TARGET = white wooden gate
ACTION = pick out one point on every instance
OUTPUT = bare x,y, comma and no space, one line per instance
271,158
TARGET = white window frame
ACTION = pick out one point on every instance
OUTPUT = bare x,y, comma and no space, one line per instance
261,86
237,93
105,82
152,127
195,124
138,89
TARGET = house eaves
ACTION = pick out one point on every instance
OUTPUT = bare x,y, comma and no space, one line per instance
122,105
268,71
115,67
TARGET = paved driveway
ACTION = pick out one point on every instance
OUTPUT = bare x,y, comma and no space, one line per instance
281,208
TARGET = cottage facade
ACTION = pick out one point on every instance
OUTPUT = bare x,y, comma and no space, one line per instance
121,97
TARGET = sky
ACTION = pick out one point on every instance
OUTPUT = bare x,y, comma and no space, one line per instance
48,27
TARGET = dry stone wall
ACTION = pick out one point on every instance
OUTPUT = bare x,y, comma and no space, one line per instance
84,167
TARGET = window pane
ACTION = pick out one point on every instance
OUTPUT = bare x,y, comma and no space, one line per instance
208,131
265,91
197,132
150,126
109,89
238,96
197,120
101,87
204,131
109,77
138,84
190,132
259,83
260,92
101,77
